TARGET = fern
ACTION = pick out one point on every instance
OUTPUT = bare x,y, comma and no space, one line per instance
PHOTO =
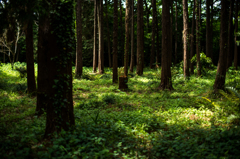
234,93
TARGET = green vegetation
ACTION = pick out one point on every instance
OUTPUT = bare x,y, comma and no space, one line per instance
142,122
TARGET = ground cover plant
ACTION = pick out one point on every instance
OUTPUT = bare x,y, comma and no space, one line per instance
190,121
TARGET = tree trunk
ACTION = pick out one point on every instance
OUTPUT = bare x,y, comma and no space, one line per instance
197,40
115,42
79,64
176,29
108,36
211,32
208,29
157,44
127,37
100,37
166,79
185,39
132,39
31,83
171,32
152,58
121,42
221,69
230,35
235,41
59,100
140,43
95,39
192,38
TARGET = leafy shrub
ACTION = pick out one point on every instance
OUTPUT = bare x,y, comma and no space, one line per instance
109,98
22,71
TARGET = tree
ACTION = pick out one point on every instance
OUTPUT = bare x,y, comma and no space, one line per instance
127,37
55,64
235,40
192,37
132,38
221,69
115,42
176,29
153,34
108,36
166,79
95,39
208,31
140,32
100,37
79,63
185,39
197,40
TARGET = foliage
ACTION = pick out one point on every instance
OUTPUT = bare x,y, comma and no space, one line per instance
140,123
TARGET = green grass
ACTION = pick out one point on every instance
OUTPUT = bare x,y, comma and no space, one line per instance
141,122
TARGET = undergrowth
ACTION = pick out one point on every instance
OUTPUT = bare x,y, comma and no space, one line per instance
143,122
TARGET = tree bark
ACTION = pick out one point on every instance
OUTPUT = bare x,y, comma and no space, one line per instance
108,36
211,32
197,40
166,79
221,69
152,58
140,35
31,83
208,28
95,39
171,32
176,29
115,42
121,41
100,37
235,40
185,39
157,44
230,36
132,39
127,37
79,62
192,38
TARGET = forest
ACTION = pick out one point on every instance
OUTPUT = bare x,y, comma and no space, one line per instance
124,79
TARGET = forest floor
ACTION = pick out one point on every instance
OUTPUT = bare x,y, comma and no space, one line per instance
142,122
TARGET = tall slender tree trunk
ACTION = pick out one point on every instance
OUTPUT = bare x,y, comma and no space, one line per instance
200,25
127,37
192,38
115,42
108,36
197,40
140,43
230,36
211,32
235,40
121,41
166,79
222,63
185,39
208,29
132,38
176,29
157,44
79,62
100,37
95,39
152,58
31,83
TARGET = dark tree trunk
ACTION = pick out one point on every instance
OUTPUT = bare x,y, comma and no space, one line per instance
100,37
221,69
140,43
185,39
157,44
208,29
115,42
166,79
176,29
192,38
95,39
121,42
197,40
31,83
79,62
235,41
171,32
211,32
59,100
127,41
230,36
132,38
152,58
108,36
